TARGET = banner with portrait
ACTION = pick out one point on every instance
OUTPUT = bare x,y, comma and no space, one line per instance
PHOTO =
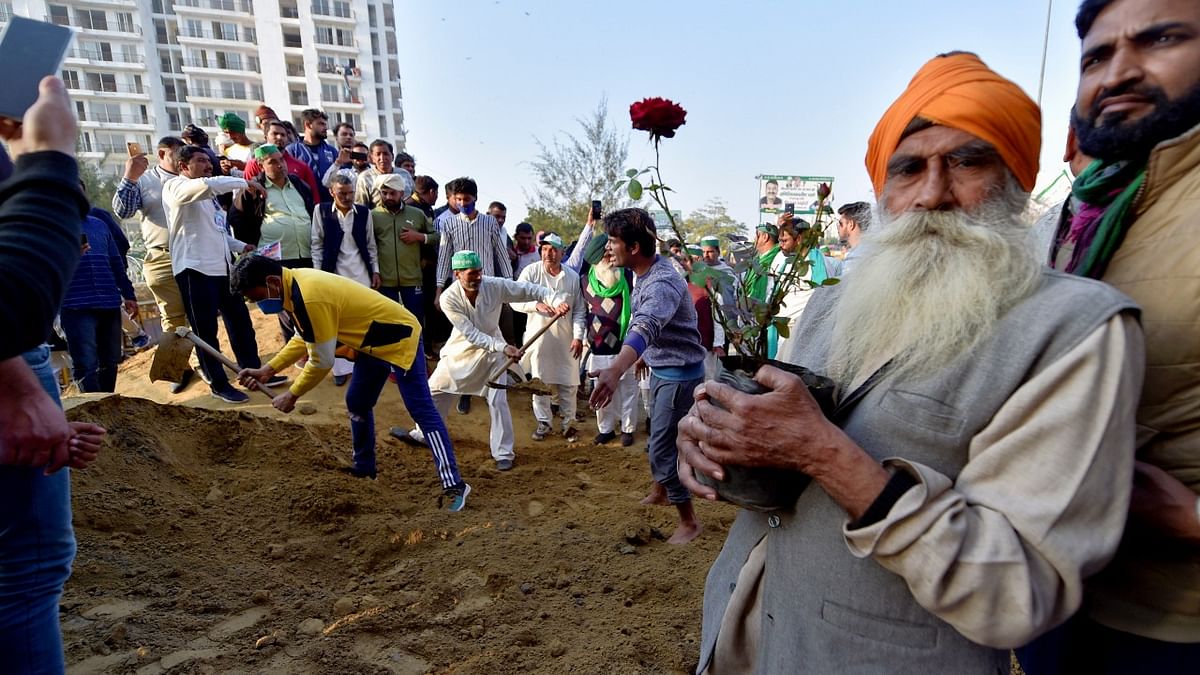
776,192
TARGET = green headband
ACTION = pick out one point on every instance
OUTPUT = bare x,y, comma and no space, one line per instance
262,151
466,260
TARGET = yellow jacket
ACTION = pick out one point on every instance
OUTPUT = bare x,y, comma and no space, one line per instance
326,310
1152,587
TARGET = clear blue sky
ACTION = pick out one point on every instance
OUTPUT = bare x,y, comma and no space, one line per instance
770,87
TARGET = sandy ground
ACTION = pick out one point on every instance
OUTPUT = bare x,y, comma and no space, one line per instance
222,538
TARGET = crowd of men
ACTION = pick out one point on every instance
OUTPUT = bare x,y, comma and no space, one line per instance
1012,461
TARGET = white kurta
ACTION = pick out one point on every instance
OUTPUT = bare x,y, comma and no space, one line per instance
475,349
550,359
794,302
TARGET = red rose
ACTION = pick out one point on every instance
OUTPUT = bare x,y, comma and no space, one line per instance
659,116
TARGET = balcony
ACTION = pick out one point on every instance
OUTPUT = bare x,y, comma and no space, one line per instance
87,88
105,28
294,69
222,6
289,12
107,118
99,56
246,39
242,68
347,46
109,3
338,71
323,11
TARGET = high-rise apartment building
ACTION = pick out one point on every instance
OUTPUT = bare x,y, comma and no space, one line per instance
141,69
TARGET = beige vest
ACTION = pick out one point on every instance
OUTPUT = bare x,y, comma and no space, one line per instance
1152,588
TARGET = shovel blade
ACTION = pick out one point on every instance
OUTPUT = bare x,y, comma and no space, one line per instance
171,358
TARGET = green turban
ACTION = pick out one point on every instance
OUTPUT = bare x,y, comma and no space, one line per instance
262,151
231,122
595,248
712,241
693,249
466,260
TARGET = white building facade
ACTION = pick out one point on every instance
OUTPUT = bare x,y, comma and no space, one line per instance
142,69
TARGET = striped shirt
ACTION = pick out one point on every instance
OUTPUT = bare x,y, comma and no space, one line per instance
481,235
99,281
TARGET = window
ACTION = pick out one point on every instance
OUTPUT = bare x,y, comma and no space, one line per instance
326,64
341,8
398,122
60,15
371,15
91,18
379,97
396,95
225,31
160,32
248,35
129,54
169,92
235,90
391,42
288,10
106,112
142,117
394,69
329,93
389,16
374,44
320,7
298,96
101,81
206,116
125,22
137,84
292,40
294,68
202,88
110,142
71,79
175,118
383,125
162,6
166,63
324,35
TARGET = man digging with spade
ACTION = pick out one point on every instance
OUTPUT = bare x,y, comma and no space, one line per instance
326,310
473,353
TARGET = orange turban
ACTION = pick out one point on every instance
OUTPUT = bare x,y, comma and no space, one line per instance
960,92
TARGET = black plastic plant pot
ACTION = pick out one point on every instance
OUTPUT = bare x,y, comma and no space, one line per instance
759,488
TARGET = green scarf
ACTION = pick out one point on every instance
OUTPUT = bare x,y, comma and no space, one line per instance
1113,187
757,283
620,288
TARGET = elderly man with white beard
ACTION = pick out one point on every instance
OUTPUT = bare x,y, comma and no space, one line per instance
976,467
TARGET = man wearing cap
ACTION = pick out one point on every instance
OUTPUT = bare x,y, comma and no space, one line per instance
476,350
327,310
263,116
976,467
283,218
277,134
236,155
343,243
723,286
554,358
760,285
400,230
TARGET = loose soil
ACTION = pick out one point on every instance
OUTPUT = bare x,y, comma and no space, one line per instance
220,538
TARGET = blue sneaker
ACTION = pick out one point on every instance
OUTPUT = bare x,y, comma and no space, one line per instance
457,497
230,395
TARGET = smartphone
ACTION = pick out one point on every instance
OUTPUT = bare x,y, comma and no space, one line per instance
595,209
789,208
360,156
29,50
134,148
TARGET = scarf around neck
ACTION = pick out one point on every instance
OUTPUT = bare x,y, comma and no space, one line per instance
1106,192
757,283
620,288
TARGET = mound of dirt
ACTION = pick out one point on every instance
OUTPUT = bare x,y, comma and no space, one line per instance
227,541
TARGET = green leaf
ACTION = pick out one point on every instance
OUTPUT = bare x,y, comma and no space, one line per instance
781,327
635,189
831,281
631,173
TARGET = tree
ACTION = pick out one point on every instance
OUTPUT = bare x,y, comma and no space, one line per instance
712,219
575,169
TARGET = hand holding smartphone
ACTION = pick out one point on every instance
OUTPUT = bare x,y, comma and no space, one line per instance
596,210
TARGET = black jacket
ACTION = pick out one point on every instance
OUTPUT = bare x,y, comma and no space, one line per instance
247,221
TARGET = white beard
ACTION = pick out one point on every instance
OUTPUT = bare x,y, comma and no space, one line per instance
930,284
606,273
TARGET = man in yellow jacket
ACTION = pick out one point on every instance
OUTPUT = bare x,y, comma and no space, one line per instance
326,310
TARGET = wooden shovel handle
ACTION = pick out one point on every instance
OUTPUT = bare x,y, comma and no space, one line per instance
233,367
528,343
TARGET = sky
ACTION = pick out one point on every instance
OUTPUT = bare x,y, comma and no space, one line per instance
791,88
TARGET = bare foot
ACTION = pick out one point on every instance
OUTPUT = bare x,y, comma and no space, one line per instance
657,496
687,531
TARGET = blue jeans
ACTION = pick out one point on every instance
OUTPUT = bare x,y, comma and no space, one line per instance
37,546
412,297
94,339
1083,646
370,375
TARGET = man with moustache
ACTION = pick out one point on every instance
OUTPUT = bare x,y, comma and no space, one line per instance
1134,225
313,149
606,292
976,466
365,190
277,134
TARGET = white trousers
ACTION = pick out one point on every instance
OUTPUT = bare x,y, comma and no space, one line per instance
624,400
501,433
564,396
644,389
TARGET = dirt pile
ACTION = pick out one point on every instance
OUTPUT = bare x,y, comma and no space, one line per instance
227,541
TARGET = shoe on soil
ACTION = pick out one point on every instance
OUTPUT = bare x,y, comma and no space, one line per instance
571,435
464,405
603,437
230,395
457,497
340,380
184,381
504,464
413,437
626,440
543,430
277,381
353,471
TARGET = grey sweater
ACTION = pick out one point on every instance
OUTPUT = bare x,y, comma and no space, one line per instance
664,318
